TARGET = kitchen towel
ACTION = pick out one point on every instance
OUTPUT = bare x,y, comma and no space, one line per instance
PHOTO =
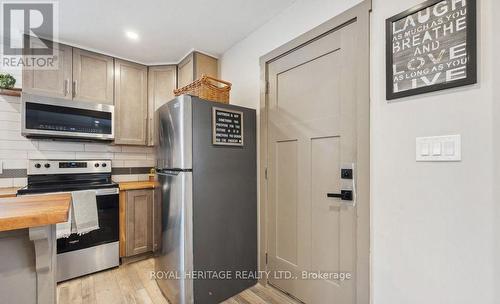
63,230
85,211
82,217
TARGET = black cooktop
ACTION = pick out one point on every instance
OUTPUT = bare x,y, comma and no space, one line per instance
37,189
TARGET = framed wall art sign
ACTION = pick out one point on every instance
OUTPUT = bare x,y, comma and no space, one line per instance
227,127
431,47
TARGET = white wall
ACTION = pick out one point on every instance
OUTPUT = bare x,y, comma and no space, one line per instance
496,142
240,64
432,223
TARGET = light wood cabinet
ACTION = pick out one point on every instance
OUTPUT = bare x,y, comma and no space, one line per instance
139,221
136,90
185,71
131,113
194,66
92,77
79,75
162,80
54,82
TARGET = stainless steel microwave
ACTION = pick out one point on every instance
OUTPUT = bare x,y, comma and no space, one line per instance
50,117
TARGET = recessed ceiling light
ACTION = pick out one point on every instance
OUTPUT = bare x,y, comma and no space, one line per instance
132,35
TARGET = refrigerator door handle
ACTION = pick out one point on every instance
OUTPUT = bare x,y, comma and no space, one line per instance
168,173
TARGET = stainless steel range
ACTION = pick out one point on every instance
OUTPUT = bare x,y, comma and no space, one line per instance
97,250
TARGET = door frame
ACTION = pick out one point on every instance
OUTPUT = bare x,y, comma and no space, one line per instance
361,15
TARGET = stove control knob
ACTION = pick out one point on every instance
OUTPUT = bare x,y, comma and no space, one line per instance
47,166
96,165
38,166
104,165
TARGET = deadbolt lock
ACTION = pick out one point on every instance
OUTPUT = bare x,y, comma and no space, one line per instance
347,184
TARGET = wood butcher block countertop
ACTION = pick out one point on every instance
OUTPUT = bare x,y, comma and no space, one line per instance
124,186
8,192
32,211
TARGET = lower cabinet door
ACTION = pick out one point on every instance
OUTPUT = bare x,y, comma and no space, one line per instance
139,222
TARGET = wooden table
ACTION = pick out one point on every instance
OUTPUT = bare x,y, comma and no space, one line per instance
33,211
8,192
28,246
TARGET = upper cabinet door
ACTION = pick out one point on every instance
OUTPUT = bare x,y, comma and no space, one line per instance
185,71
131,106
92,77
51,82
194,66
205,65
162,80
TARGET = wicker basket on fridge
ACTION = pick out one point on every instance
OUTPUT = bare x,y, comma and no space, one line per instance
208,88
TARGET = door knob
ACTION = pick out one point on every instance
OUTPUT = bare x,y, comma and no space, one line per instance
345,195
347,186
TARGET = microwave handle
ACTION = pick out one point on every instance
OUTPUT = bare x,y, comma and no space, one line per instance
75,88
66,87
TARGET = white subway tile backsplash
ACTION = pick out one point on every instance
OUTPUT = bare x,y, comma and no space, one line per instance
9,107
10,126
142,177
11,116
133,149
102,148
50,155
139,163
15,149
26,145
50,145
6,182
117,163
131,156
94,155
15,163
11,99
12,154
19,182
125,178
11,135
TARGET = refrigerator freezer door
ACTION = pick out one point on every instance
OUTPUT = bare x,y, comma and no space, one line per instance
174,148
175,258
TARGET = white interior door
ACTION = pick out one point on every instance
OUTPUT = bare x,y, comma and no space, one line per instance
311,135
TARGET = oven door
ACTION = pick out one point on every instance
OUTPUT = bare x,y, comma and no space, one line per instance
108,232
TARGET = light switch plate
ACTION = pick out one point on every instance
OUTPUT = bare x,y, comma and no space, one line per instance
439,148
1,166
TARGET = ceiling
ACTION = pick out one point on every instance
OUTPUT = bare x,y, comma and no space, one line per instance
167,29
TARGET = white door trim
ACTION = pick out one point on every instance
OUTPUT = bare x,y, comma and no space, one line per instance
361,15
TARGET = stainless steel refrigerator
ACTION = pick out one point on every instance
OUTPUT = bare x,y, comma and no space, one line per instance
207,173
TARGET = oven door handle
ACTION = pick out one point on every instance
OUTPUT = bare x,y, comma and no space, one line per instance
109,191
98,192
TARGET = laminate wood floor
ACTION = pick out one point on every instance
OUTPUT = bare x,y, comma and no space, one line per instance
130,283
